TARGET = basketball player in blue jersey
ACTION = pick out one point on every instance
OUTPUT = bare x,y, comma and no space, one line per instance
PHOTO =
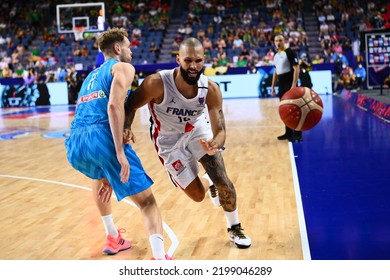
97,147
184,135
286,74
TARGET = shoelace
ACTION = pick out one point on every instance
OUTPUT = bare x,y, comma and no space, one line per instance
213,191
238,232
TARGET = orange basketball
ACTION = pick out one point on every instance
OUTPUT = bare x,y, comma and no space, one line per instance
301,108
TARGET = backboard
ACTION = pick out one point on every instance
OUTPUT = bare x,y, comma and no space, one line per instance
89,16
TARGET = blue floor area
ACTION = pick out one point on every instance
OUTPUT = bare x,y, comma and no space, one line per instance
343,167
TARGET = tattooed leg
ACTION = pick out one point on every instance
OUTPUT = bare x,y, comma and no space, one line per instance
215,168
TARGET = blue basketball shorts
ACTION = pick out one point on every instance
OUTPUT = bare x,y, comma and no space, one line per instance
91,151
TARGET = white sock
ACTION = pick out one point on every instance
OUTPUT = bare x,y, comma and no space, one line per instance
232,218
157,243
206,176
109,225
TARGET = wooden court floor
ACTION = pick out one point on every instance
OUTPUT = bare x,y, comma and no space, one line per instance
47,211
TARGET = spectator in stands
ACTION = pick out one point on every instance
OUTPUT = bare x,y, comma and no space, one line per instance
201,34
247,17
69,60
188,30
221,10
207,44
49,51
344,17
317,59
269,56
278,28
77,51
332,28
176,44
252,69
293,43
153,48
277,17
181,30
222,57
19,71
84,51
163,22
7,59
135,42
245,52
242,61
253,54
20,49
6,72
220,43
3,52
136,33
362,26
210,29
324,31
377,21
30,76
237,43
337,49
15,57
2,40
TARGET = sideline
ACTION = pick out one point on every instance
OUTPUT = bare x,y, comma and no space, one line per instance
298,199
172,236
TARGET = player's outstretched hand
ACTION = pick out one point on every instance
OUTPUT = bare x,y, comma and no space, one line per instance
128,136
209,146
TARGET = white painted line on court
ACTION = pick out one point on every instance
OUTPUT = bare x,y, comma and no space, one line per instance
301,214
172,236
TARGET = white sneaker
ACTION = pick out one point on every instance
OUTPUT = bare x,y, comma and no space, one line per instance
213,193
214,196
238,237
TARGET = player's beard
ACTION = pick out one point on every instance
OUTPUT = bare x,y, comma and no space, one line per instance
189,80
124,58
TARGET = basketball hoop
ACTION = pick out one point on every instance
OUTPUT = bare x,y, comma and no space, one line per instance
78,32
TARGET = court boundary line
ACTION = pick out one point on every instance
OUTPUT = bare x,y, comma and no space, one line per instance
172,236
298,199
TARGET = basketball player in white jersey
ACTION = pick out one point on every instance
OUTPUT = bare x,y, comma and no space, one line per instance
184,135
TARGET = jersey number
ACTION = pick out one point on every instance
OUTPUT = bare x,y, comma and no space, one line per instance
184,119
91,82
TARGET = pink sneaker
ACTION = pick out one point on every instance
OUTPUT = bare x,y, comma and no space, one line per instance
168,258
115,245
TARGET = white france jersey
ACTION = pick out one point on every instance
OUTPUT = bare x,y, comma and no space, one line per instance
177,114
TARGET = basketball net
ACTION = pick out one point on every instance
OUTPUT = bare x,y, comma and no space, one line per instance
78,33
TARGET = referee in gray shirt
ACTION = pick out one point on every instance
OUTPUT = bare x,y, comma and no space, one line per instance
286,74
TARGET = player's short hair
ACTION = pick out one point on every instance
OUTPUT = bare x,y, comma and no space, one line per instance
191,42
110,37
